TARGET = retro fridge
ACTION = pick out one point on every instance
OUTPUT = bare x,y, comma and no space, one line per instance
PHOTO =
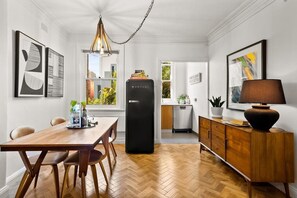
140,116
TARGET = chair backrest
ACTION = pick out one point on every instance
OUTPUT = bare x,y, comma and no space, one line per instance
57,120
113,133
105,143
21,131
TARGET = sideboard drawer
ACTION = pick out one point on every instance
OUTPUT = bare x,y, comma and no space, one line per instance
238,150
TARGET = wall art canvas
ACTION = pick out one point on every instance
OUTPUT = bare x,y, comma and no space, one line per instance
54,74
248,63
29,68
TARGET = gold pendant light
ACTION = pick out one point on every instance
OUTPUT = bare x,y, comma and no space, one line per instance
100,43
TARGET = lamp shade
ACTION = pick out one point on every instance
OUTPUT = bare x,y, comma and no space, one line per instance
268,91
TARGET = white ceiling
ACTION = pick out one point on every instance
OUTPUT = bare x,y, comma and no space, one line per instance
183,19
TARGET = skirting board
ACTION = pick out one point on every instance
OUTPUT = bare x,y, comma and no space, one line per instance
4,192
293,190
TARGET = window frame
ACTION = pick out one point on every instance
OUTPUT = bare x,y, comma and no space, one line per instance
119,79
171,80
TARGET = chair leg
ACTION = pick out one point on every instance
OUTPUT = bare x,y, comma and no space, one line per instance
36,178
94,173
65,178
104,173
56,176
109,161
113,149
75,175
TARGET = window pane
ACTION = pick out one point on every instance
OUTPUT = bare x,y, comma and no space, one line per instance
166,71
166,89
101,92
93,65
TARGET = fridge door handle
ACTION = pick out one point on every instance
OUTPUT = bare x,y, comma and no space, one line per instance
133,101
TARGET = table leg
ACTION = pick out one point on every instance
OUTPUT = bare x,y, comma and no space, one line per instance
84,156
31,172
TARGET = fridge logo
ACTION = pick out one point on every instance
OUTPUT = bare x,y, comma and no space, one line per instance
140,87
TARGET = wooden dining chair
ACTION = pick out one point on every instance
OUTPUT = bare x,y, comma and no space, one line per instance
51,158
57,120
96,156
112,137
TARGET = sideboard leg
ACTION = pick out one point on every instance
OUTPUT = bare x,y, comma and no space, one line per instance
287,190
249,186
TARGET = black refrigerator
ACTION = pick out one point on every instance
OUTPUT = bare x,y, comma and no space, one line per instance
140,116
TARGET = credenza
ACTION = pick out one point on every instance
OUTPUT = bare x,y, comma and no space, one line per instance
259,156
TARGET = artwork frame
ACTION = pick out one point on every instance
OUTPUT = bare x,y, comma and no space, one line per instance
29,66
244,64
54,73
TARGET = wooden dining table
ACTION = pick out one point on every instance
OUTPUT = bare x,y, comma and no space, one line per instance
59,138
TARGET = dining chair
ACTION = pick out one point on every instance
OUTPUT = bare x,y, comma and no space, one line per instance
96,156
57,120
51,158
112,137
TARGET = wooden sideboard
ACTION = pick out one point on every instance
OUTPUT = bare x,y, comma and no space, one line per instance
258,156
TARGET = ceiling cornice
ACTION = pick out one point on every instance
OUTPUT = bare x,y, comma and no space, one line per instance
246,10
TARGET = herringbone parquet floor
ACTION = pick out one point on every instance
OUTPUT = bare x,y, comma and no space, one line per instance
174,170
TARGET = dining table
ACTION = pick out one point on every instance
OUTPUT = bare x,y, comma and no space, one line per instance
59,138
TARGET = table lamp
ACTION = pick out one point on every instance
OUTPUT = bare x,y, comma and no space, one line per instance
265,92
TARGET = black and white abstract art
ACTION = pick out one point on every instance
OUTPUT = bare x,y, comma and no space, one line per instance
30,67
54,74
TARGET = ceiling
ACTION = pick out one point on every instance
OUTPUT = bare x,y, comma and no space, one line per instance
182,19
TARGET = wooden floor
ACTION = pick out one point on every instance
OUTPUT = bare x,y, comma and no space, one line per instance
174,170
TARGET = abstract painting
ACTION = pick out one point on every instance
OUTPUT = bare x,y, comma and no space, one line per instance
29,68
54,79
248,63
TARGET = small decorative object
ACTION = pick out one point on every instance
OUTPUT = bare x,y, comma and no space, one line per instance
182,99
54,73
139,74
216,109
29,67
262,91
84,115
75,114
248,63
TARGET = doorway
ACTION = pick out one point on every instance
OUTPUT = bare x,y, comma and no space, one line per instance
184,94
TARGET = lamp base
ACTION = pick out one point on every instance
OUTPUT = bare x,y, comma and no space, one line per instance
261,117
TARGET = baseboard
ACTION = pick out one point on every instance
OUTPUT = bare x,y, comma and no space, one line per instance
4,192
293,189
15,175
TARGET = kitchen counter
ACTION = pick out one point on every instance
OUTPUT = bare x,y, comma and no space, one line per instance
175,104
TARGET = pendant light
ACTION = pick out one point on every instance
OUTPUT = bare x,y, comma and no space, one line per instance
100,43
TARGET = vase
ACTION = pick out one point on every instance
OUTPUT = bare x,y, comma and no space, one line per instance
217,112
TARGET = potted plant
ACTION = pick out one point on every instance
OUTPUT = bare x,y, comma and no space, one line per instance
216,109
182,99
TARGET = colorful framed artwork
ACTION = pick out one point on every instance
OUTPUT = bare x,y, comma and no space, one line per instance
247,63
29,67
54,74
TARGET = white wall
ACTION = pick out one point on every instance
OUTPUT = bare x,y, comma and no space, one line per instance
198,92
180,79
277,24
147,56
3,93
36,112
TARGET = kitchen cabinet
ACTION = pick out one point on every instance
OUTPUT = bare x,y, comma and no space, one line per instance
166,116
259,156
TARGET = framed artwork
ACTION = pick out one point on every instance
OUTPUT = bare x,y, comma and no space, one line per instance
29,67
54,74
245,64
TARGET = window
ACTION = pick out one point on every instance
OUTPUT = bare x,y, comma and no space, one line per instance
166,80
101,81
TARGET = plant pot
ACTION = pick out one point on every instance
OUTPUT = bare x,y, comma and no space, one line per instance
217,112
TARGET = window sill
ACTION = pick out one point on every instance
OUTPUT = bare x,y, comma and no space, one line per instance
104,109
